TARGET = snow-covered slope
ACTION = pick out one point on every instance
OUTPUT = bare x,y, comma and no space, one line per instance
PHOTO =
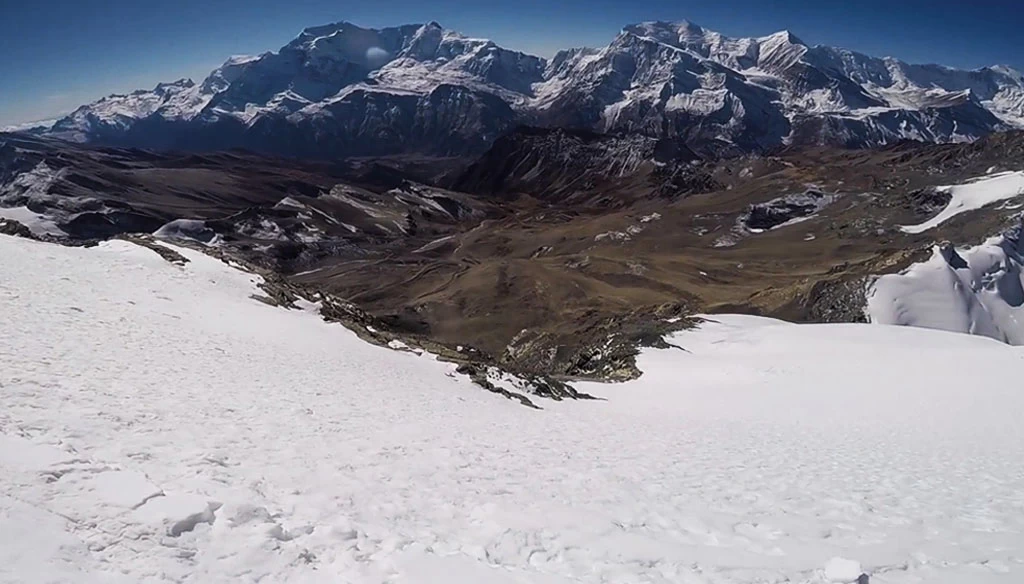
148,436
977,290
335,89
999,89
177,101
653,80
767,90
342,89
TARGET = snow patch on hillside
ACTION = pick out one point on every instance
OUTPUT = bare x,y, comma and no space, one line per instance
972,196
36,223
31,189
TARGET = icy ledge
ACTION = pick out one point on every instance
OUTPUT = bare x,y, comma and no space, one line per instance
977,290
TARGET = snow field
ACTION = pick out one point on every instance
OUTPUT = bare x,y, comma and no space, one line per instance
157,424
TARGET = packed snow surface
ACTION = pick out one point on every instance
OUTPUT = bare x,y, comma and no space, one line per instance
159,425
974,195
977,290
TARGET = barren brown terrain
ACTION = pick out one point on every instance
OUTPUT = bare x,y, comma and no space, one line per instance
558,251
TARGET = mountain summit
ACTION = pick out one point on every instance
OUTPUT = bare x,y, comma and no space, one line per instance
340,89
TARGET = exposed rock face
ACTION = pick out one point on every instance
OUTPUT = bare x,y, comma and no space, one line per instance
783,210
579,166
12,227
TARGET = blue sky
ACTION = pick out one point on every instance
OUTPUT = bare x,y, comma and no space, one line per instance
55,55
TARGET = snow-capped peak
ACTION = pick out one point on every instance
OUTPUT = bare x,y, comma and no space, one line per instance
663,30
682,34
1008,72
425,43
783,37
178,85
240,59
654,77
310,34
780,51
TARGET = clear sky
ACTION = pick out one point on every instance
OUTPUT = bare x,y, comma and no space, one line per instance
57,54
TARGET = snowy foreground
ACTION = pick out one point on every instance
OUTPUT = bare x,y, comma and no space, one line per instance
157,424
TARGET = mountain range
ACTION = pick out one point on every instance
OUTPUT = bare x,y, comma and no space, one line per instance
342,90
